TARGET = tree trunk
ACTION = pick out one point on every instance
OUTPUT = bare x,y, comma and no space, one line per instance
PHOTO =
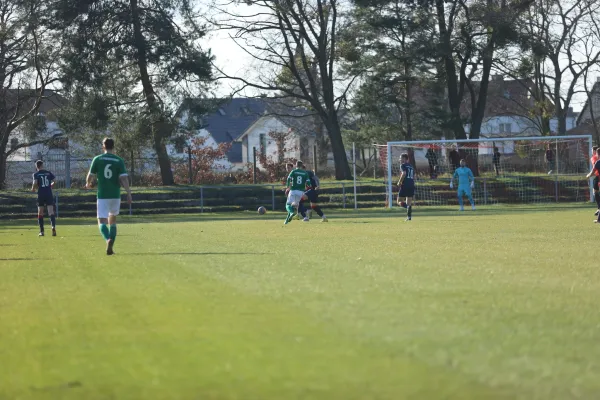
3,167
322,148
159,126
342,169
408,94
450,70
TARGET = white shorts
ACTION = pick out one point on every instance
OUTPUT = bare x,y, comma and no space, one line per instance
108,207
294,196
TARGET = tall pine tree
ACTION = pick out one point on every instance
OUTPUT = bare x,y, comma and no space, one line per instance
146,37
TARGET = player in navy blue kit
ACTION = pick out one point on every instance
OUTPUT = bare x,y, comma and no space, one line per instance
313,196
43,182
595,172
407,185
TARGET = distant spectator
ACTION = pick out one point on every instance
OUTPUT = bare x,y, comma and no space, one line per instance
549,159
433,162
230,179
496,160
454,159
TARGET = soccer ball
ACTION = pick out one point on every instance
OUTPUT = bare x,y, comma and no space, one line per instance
262,210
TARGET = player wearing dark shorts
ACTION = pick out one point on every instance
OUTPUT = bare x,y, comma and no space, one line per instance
407,185
313,196
596,171
42,182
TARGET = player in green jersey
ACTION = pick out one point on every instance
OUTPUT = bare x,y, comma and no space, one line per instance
297,182
111,174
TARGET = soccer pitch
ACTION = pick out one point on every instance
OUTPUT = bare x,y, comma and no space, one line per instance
501,303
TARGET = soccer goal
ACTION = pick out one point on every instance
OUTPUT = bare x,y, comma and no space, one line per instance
508,170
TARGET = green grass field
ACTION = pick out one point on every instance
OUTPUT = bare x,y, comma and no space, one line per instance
502,303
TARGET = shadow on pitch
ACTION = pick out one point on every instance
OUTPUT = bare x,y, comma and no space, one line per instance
207,253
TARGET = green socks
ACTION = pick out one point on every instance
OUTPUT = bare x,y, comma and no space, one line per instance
112,232
290,211
105,232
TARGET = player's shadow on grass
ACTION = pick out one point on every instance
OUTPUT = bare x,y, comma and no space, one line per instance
206,253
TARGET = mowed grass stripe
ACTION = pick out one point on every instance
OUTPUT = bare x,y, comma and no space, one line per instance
358,308
154,327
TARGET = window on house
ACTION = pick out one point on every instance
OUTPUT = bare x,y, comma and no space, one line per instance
263,144
14,142
505,128
60,144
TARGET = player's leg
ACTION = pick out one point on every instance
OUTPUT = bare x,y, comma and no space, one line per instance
470,197
289,206
102,208
52,219
113,211
302,209
460,193
596,185
41,217
313,196
409,201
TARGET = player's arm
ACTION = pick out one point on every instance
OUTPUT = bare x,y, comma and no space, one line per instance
52,178
454,176
90,175
595,167
124,180
471,178
402,176
34,186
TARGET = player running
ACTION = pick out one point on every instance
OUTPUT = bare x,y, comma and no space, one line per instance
407,185
297,183
43,181
593,160
595,171
466,182
111,174
313,196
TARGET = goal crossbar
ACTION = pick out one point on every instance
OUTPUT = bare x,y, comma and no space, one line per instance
475,141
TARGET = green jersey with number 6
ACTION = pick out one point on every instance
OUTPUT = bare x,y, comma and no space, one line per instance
108,168
298,179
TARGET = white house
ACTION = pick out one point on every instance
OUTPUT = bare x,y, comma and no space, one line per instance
297,131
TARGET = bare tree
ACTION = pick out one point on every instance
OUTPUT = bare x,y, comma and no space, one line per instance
294,44
562,39
27,71
592,97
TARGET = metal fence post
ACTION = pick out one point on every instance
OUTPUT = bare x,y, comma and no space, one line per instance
556,187
344,193
254,165
56,205
201,199
190,179
67,169
485,194
273,196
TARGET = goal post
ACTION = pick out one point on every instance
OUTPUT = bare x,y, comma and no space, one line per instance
507,169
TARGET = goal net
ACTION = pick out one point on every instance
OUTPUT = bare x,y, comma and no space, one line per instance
508,170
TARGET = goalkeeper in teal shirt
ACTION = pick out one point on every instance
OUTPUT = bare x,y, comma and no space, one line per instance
466,182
